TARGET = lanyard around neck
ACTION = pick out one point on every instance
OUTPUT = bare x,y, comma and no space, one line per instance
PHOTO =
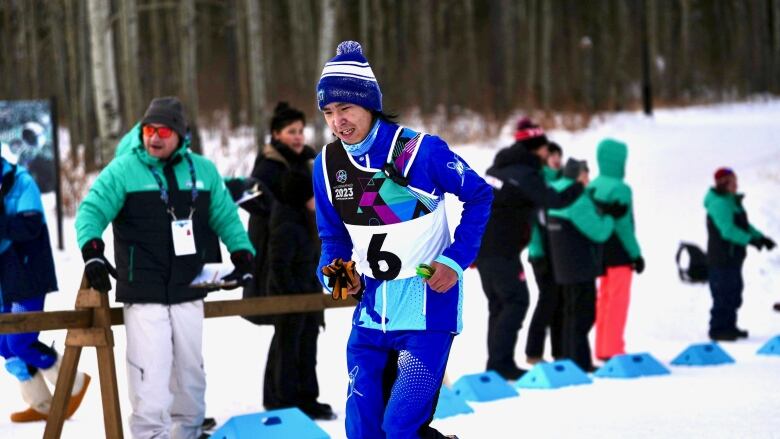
165,197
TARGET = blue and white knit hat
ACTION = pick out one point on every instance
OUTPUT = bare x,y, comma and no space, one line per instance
347,77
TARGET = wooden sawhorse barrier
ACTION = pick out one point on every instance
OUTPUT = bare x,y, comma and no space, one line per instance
99,336
89,325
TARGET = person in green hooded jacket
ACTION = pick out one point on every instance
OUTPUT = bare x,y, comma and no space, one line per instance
622,254
167,206
729,233
576,235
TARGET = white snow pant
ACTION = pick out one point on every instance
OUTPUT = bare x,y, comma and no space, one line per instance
166,380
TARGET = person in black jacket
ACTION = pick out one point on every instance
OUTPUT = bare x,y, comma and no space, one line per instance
519,192
286,152
293,254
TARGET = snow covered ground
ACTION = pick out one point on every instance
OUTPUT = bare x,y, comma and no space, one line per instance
671,160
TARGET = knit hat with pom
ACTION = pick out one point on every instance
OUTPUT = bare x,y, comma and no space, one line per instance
347,77
529,134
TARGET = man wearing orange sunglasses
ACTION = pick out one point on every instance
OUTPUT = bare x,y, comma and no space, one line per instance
168,206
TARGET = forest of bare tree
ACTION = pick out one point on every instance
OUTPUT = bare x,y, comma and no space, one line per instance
105,59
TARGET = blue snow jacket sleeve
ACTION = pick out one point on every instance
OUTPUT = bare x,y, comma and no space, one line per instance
451,174
336,242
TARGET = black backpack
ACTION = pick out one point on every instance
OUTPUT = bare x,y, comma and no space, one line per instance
695,270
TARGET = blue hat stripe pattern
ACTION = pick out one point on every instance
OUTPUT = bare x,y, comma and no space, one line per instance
348,78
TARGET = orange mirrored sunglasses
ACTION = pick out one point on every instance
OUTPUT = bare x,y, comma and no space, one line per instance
162,132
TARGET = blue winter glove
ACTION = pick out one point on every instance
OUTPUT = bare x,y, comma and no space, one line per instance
96,266
242,274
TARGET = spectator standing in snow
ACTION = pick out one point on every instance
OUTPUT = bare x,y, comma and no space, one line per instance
26,276
576,234
520,194
286,152
167,206
379,191
293,254
729,233
622,255
548,312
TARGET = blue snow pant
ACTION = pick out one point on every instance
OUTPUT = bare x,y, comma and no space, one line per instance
422,360
25,347
726,287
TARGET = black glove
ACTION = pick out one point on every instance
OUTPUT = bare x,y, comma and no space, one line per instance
768,243
242,274
639,265
615,210
758,243
96,266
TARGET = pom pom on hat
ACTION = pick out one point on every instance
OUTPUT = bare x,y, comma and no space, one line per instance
349,47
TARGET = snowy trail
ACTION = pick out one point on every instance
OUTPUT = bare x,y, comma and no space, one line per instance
671,161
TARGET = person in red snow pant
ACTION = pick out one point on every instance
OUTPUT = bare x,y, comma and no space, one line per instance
612,311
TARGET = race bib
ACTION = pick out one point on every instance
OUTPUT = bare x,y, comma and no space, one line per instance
183,237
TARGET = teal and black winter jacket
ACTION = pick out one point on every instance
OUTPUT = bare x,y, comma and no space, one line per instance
622,247
127,194
537,247
576,233
728,229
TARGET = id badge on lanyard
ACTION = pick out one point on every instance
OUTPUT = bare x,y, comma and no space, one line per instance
183,237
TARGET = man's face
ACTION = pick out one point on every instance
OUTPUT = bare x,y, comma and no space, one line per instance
160,141
349,122
554,161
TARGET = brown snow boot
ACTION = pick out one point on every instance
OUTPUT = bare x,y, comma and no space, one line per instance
80,384
36,393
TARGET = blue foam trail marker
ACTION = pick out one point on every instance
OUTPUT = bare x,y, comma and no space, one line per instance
705,354
273,424
450,404
481,387
631,366
553,375
772,347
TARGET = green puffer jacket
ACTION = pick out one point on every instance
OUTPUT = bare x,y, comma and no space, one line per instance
537,247
728,229
576,234
127,195
622,247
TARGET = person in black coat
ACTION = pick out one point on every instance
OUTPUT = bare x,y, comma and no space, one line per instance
293,254
519,192
286,152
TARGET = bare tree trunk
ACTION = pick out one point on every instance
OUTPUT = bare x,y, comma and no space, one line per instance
325,51
365,18
243,57
471,45
424,16
232,76
376,54
55,22
86,85
776,44
530,77
105,93
31,32
497,59
256,70
131,88
546,58
75,125
302,29
189,69
156,35
508,24
443,93
685,6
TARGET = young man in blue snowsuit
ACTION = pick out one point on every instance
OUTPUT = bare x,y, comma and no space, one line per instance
379,191
26,276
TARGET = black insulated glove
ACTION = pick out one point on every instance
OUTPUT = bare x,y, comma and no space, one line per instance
758,243
615,210
244,263
96,266
639,265
768,243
